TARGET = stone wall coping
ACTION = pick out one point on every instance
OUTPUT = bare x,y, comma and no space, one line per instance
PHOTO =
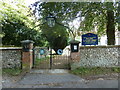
107,46
10,48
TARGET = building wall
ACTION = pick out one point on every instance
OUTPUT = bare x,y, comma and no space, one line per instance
11,57
103,39
98,56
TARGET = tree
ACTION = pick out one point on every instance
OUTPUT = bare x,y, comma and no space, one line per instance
57,36
110,25
100,15
118,16
17,25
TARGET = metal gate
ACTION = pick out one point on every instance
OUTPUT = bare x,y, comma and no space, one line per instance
45,58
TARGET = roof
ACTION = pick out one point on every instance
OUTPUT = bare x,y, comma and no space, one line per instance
74,41
27,41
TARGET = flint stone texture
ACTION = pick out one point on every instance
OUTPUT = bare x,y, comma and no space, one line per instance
11,57
98,56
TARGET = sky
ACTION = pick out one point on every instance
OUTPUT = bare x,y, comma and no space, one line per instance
28,2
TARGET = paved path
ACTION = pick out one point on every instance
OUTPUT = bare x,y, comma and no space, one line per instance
55,79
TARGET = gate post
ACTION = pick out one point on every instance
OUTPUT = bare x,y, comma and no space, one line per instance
27,54
74,54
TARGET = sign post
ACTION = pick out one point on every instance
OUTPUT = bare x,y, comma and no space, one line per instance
42,51
59,51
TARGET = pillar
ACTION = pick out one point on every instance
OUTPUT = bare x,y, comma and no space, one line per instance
75,54
27,54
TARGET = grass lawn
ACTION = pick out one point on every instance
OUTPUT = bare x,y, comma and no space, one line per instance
12,71
82,71
38,61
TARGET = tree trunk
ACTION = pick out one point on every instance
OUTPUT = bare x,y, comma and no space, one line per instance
118,15
110,28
